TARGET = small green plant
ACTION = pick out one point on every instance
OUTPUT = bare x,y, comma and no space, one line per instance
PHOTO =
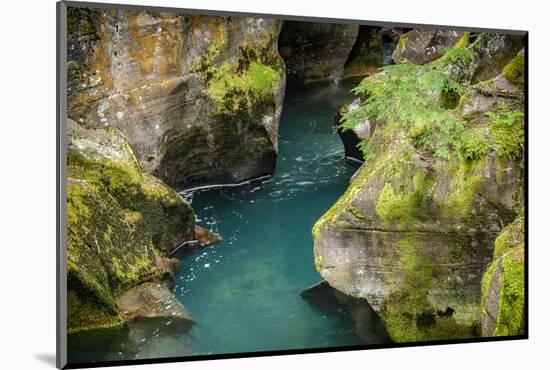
475,144
365,149
404,94
458,55
507,130
505,115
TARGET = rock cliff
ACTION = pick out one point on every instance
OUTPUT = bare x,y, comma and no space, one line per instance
316,51
198,97
121,224
372,49
443,173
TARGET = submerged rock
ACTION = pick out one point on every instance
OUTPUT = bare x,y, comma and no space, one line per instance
420,46
315,51
169,267
415,229
120,221
198,97
205,236
151,300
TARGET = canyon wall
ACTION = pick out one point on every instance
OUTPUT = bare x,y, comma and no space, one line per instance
199,98
121,225
316,51
443,173
372,49
158,100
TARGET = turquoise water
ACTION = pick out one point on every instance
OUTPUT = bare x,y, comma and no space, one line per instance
244,292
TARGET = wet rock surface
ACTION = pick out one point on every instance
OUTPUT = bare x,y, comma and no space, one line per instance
373,49
151,300
315,51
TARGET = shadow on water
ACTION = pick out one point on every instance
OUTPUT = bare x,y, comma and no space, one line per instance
329,301
139,339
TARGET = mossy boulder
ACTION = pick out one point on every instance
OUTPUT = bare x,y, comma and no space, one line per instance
503,293
198,97
414,231
120,221
316,51
420,46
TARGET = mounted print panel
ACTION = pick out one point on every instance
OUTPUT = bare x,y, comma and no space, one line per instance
237,185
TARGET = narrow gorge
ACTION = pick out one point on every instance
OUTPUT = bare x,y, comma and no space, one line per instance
242,184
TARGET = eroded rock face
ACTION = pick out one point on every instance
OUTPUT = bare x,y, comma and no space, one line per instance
419,261
121,222
315,51
373,49
199,98
352,137
414,232
422,46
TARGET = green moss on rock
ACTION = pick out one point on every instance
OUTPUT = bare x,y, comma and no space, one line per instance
503,286
233,91
407,314
80,23
510,237
119,220
511,315
402,43
238,87
475,144
404,207
515,70
464,41
509,140
464,190
435,177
